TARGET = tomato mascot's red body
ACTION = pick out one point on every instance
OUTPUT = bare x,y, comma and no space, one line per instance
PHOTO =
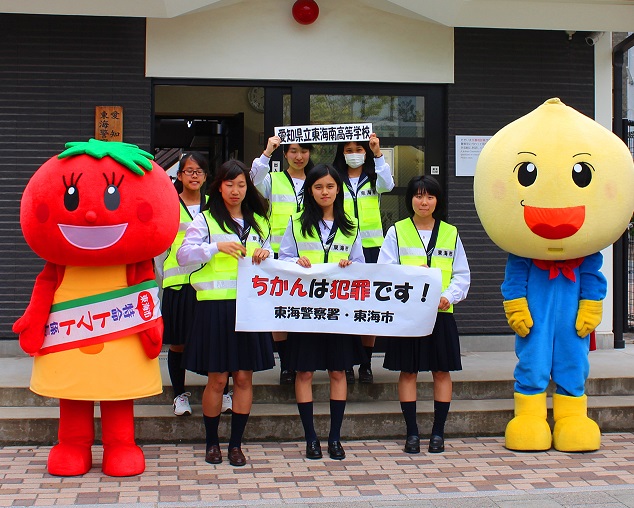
97,213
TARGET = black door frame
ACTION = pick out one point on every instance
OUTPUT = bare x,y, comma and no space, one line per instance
435,140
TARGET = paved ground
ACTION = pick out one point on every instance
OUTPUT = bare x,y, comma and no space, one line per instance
472,472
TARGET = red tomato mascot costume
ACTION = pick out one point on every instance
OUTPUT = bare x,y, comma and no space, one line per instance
97,213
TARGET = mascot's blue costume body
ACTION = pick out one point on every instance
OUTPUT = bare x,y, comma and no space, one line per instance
553,348
553,188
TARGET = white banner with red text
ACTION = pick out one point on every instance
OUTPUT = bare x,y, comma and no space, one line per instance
360,299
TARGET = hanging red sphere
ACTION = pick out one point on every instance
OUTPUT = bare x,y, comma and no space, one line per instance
305,12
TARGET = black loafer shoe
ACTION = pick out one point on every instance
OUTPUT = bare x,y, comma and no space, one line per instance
412,444
213,455
350,376
335,450
287,377
365,375
436,444
236,457
313,450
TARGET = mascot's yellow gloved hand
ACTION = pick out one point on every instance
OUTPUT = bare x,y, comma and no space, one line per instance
518,316
588,316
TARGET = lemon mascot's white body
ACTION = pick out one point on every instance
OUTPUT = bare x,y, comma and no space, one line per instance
552,189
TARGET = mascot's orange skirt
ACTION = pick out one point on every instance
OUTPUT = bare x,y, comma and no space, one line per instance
115,370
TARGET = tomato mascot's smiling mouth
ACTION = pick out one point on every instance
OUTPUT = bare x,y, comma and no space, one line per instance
554,223
92,237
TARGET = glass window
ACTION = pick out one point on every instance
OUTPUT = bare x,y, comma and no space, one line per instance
400,123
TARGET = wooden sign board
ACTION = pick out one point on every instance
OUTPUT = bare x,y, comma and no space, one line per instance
109,123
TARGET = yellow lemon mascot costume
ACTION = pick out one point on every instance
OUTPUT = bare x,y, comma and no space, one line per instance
97,213
553,188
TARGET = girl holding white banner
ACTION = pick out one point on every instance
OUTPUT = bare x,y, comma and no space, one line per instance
423,240
366,176
232,225
285,192
322,233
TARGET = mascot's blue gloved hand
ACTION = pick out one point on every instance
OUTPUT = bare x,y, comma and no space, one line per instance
518,315
588,316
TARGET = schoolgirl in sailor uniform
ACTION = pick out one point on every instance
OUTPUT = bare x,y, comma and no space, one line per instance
179,297
322,222
285,192
232,225
424,240
365,176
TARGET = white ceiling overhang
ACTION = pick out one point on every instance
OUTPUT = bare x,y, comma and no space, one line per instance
590,15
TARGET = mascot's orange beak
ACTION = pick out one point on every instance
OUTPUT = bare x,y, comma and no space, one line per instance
554,223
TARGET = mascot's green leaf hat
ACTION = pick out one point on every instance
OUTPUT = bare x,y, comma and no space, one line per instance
126,154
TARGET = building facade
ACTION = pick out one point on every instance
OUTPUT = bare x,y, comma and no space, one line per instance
217,76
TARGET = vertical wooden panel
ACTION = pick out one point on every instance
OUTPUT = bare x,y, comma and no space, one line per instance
109,123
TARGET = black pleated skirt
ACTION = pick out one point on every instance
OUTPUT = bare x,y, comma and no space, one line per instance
308,352
438,352
177,308
215,346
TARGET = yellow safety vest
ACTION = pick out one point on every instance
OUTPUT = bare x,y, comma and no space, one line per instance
174,275
313,248
365,208
411,250
217,279
284,203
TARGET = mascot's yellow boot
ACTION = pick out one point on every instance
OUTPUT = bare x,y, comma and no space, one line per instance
574,431
529,430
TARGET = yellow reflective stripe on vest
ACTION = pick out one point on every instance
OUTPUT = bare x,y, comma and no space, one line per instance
173,273
309,246
216,280
216,284
283,205
276,240
411,251
419,252
284,198
368,214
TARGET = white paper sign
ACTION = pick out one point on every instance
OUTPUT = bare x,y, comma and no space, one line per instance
324,133
468,150
363,299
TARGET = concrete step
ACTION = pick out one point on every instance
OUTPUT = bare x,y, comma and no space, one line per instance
358,393
483,403
280,422
487,375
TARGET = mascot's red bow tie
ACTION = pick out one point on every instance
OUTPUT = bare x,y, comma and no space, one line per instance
566,267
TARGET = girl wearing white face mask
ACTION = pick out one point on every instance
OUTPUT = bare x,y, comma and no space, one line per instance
366,176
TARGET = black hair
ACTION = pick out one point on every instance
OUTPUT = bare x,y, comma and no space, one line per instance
424,185
199,159
368,166
306,146
253,204
312,214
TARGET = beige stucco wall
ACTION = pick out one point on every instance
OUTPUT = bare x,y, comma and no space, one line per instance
261,40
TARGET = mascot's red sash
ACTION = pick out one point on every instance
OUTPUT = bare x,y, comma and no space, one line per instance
101,318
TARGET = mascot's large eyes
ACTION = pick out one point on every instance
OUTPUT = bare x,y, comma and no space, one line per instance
111,197
582,174
71,196
526,173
